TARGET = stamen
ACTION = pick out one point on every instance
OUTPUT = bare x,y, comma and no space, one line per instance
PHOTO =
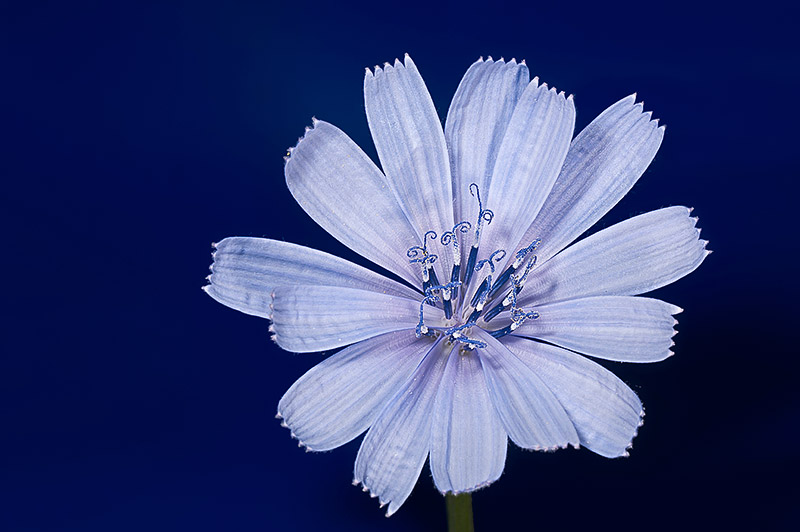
484,215
455,274
431,299
447,304
473,256
518,315
501,280
519,257
415,251
521,280
479,292
524,251
507,301
420,254
483,291
451,236
431,280
422,329
447,293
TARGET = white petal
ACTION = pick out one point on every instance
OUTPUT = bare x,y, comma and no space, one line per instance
246,271
411,147
632,257
344,192
341,397
468,443
531,414
476,123
602,164
394,450
530,158
605,411
316,318
621,328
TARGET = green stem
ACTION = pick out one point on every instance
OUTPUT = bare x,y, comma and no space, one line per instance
459,512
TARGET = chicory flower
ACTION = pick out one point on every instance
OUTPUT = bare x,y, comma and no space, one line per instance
484,340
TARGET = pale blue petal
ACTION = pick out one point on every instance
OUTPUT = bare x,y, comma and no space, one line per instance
394,450
246,271
316,318
530,413
530,158
605,411
632,257
411,147
476,123
468,443
621,328
341,397
602,164
344,192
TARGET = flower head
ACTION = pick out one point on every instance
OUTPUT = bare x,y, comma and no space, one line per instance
486,341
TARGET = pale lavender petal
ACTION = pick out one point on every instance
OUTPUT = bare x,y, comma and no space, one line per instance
394,450
605,411
602,164
530,413
411,146
476,123
344,192
246,271
530,158
621,328
632,257
468,443
316,318
341,397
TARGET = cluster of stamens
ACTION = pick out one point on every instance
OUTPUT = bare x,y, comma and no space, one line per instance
455,288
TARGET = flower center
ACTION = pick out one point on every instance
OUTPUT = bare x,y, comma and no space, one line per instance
463,314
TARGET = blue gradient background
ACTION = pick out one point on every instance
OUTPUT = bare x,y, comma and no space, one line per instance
138,133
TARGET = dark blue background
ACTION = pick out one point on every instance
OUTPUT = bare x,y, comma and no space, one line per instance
137,133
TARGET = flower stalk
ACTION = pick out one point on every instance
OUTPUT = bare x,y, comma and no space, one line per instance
459,512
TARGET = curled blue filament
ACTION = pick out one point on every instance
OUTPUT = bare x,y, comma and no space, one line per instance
452,236
524,251
484,215
419,254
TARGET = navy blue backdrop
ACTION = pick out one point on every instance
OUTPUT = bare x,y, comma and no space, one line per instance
135,134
